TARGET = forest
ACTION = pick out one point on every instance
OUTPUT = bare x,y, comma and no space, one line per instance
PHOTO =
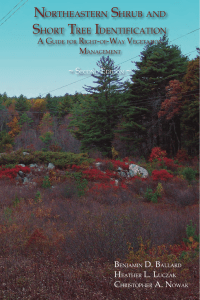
158,107
71,202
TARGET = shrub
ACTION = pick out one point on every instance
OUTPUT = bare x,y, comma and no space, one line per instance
161,175
190,232
180,194
169,163
12,172
55,148
38,197
59,159
189,174
157,153
182,155
151,196
46,182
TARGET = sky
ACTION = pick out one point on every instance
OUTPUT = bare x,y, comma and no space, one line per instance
35,69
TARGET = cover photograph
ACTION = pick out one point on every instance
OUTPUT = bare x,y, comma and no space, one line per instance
99,150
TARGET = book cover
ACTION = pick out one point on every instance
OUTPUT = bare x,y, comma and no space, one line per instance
99,150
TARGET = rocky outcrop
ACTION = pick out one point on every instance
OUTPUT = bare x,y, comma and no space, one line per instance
134,170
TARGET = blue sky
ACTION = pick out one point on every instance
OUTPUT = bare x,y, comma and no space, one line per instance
32,70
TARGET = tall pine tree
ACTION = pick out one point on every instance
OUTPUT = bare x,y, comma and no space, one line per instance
95,117
158,65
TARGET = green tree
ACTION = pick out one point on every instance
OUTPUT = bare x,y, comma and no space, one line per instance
22,104
52,104
24,119
95,116
64,105
158,65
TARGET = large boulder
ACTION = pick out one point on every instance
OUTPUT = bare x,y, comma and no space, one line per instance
50,166
135,170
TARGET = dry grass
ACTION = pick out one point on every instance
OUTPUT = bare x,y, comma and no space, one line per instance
55,245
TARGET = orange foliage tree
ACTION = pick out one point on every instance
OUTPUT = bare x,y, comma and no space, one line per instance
170,113
190,110
14,126
172,105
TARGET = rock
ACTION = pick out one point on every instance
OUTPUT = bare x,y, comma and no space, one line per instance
26,180
135,170
119,169
123,174
33,166
50,166
21,173
98,164
22,165
30,175
25,153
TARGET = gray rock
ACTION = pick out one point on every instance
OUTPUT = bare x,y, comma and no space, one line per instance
119,169
26,180
33,166
21,173
135,170
123,174
22,165
50,166
98,164
25,153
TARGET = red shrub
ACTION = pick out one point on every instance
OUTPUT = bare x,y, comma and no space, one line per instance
178,249
157,153
12,172
169,163
99,187
161,175
97,175
182,155
76,168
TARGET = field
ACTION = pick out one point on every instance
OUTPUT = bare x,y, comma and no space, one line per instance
62,231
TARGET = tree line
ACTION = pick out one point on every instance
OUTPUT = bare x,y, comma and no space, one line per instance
158,106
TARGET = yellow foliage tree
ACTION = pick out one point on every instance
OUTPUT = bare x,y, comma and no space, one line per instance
39,105
14,126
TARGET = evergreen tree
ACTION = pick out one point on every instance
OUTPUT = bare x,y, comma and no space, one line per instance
95,117
52,104
64,105
21,104
25,119
159,64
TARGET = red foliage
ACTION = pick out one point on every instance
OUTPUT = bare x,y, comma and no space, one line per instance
97,175
76,168
99,187
12,172
171,106
178,249
169,163
182,155
157,153
161,175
